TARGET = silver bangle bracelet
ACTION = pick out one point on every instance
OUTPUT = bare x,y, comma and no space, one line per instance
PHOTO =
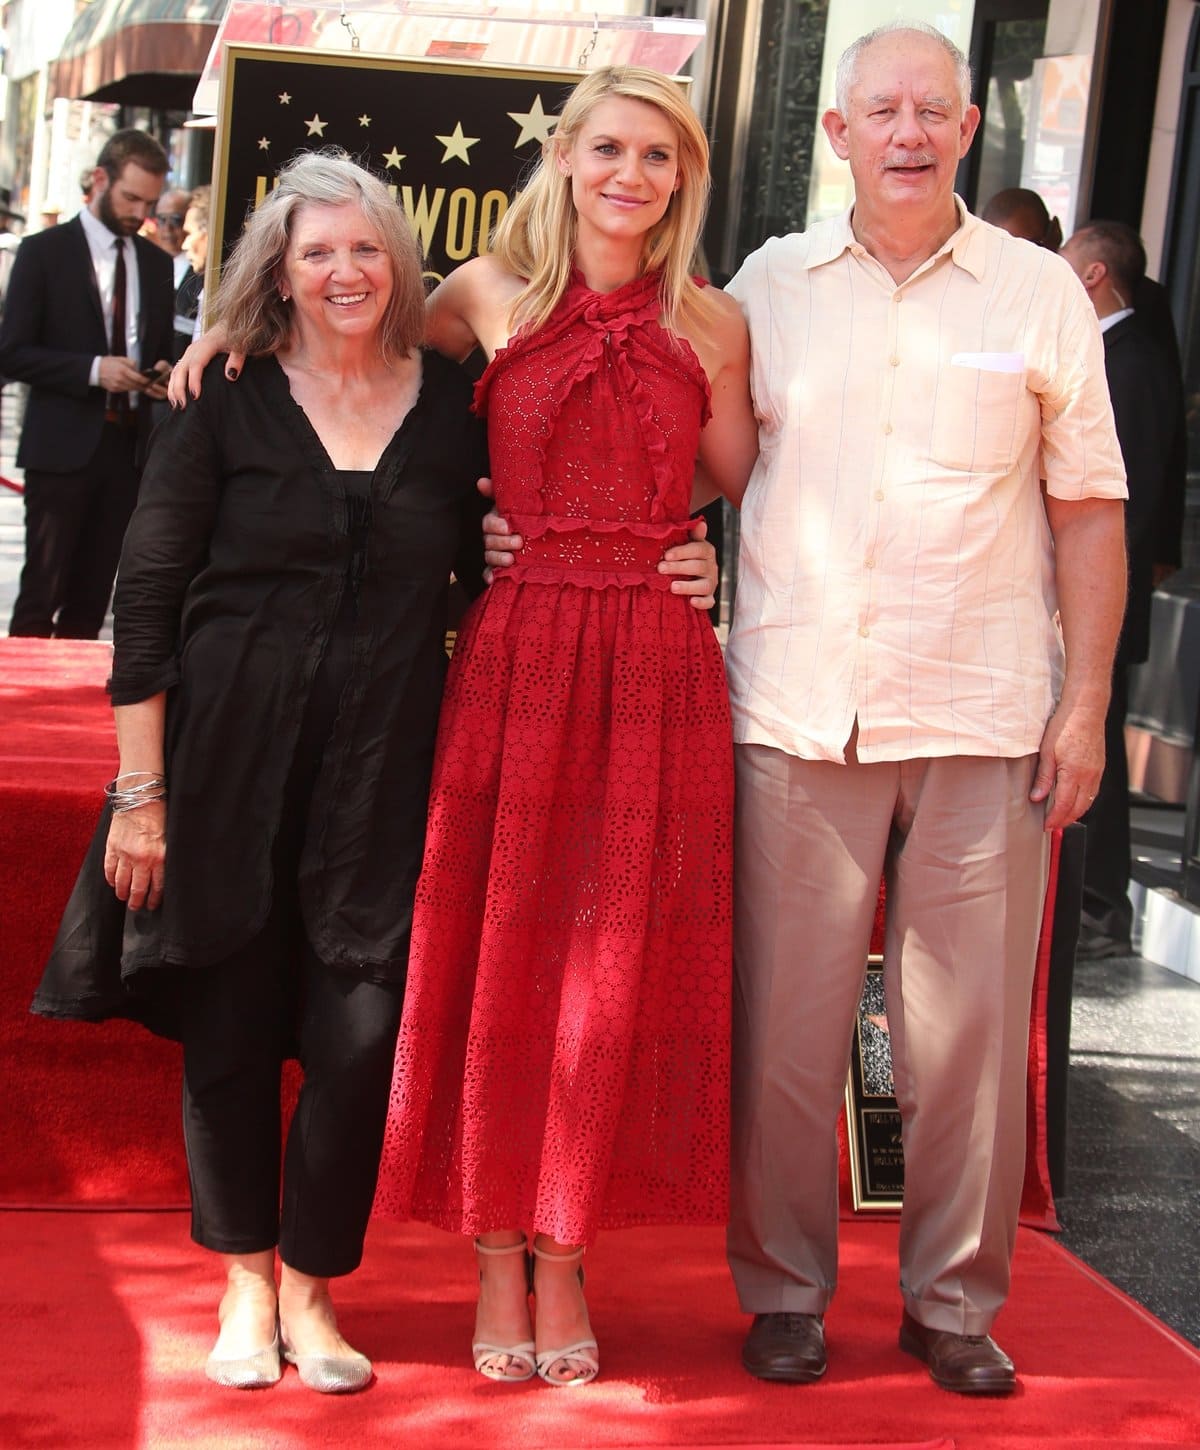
123,798
122,801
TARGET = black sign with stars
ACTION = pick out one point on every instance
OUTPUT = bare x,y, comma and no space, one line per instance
452,140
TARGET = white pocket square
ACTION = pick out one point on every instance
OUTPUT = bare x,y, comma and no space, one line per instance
990,362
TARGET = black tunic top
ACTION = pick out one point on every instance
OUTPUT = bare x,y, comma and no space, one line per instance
229,595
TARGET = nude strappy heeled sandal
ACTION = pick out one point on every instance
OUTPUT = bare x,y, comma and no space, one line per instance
584,1351
520,1355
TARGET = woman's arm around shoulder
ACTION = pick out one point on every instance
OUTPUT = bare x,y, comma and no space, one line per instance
188,372
729,442
470,308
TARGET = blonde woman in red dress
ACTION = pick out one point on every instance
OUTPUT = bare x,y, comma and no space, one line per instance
563,1057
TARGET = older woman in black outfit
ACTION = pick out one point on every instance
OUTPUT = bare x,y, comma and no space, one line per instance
277,672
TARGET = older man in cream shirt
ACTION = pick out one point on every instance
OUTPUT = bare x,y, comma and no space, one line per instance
931,584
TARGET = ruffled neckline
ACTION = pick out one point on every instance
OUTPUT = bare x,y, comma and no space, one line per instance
587,327
628,294
578,300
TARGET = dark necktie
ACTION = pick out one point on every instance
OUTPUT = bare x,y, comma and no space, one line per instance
119,402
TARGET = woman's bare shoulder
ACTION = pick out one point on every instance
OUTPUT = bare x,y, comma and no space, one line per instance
484,280
471,306
728,318
719,336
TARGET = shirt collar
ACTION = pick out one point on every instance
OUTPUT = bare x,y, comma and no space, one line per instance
100,239
1114,317
966,244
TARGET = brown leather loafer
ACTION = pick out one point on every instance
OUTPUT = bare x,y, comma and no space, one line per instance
968,1364
786,1347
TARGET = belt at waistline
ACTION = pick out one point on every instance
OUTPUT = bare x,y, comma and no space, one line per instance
592,552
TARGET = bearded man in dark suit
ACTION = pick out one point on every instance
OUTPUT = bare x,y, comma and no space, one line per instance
87,323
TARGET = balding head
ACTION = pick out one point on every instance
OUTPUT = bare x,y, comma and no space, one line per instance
847,66
1110,261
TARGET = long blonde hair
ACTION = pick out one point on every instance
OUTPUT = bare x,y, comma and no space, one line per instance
537,235
256,319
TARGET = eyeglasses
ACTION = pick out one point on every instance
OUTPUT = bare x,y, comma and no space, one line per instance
168,219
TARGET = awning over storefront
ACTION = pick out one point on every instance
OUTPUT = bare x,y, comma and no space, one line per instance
137,52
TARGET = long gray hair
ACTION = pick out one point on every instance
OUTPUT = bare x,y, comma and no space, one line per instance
256,318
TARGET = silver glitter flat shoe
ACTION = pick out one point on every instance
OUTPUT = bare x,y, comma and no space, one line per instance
251,1372
330,1374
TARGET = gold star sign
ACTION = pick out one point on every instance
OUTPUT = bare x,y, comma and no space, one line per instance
535,124
284,99
263,144
393,157
456,145
364,120
316,127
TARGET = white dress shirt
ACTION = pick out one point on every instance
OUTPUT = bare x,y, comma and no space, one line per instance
102,245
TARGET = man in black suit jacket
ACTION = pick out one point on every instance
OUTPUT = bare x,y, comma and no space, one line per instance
1145,387
1152,312
87,418
1022,213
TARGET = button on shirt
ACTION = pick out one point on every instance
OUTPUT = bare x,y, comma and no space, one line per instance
896,564
103,246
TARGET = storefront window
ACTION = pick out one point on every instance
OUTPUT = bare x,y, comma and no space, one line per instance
785,120
1015,46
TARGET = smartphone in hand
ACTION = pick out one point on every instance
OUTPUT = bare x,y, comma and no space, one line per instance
154,376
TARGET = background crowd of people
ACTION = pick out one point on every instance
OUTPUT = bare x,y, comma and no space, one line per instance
86,310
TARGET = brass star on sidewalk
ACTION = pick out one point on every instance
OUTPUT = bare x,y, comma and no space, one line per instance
316,127
534,123
394,158
456,145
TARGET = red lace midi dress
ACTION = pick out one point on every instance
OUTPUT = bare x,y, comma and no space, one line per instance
563,1062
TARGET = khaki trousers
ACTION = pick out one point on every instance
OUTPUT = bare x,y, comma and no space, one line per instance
964,855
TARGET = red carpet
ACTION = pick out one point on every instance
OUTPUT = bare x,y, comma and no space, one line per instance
109,1315
91,1113
108,1318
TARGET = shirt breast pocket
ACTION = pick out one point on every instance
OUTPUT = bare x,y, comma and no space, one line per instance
976,420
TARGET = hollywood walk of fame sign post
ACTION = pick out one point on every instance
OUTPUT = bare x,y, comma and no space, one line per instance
450,139
449,101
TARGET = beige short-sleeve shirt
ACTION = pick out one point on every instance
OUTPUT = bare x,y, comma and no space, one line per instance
896,564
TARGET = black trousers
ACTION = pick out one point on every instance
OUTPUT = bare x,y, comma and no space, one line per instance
241,1022
1106,905
74,525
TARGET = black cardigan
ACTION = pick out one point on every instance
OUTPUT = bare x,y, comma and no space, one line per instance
230,580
